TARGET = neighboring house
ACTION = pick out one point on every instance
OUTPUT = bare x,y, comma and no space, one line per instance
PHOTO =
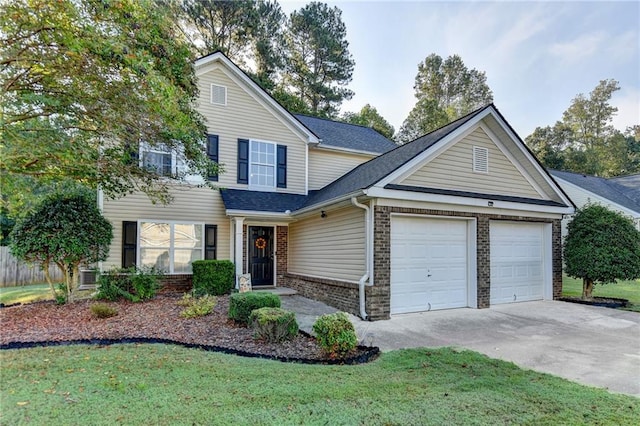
621,194
462,217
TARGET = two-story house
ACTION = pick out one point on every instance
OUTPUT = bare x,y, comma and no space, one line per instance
464,216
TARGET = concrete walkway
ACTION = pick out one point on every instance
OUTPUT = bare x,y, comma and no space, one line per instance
590,345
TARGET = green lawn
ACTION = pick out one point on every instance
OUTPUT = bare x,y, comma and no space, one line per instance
25,294
623,290
171,385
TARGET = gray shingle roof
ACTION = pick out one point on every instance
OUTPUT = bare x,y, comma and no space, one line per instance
238,199
347,136
367,174
624,191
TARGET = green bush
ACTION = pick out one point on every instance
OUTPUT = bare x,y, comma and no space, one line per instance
335,334
197,306
241,304
132,284
273,324
102,310
215,277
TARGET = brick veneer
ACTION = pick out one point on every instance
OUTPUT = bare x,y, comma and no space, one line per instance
282,245
171,284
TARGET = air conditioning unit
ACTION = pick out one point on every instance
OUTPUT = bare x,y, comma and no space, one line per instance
88,279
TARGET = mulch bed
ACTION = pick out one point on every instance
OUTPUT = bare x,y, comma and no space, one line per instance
154,321
607,302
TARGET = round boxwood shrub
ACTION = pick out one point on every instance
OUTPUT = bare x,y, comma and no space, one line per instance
215,277
335,334
273,324
241,304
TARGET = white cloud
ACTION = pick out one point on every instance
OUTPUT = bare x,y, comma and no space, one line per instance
628,103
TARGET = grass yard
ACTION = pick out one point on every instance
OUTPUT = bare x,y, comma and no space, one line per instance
25,294
623,290
171,385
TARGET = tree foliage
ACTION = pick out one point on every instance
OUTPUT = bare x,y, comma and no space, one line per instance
445,90
66,229
84,81
585,141
601,246
370,117
319,65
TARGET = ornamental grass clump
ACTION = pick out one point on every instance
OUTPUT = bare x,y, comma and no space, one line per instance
242,304
197,306
335,334
102,310
273,324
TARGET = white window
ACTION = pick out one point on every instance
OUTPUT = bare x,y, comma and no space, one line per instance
171,246
218,94
480,159
262,165
162,160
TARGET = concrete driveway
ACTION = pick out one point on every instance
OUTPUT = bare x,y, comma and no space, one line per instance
590,345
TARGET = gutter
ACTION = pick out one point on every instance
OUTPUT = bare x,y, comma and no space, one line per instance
365,277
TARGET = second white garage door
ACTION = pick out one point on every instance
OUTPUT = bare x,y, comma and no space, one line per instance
428,264
517,262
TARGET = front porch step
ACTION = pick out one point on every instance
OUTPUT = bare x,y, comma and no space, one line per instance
280,291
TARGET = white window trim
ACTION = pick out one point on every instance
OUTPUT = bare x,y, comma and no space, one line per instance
171,224
145,147
211,95
267,188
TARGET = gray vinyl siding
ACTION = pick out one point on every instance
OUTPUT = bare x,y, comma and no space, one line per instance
246,116
202,205
327,166
453,169
333,247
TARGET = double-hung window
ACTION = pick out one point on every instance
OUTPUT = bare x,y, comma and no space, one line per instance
262,165
171,246
160,159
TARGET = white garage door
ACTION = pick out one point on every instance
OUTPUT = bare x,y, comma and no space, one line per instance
517,262
428,264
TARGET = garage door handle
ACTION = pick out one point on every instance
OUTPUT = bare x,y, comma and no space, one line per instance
428,275
429,307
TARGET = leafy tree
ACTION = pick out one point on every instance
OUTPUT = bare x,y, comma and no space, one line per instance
369,117
602,246
83,82
585,141
319,63
445,90
67,229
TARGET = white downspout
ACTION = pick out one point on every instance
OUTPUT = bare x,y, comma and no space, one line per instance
365,277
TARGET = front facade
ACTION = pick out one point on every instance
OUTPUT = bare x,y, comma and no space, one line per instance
462,217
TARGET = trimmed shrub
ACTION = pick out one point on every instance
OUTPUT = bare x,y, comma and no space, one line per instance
273,324
335,334
241,304
102,310
132,284
216,277
197,306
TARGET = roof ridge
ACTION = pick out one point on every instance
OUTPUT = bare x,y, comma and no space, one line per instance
339,122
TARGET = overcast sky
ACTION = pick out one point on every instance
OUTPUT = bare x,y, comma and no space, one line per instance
537,55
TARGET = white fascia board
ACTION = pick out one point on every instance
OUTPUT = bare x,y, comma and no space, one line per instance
433,151
328,202
543,172
464,201
256,91
600,198
250,214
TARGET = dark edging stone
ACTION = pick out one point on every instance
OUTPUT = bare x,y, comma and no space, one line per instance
369,353
607,302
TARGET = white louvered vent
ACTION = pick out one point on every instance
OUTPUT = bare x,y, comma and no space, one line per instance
218,95
480,159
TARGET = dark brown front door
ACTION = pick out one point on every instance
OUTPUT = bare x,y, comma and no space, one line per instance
261,255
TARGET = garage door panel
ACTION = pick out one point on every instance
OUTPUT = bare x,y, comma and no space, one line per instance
517,266
428,264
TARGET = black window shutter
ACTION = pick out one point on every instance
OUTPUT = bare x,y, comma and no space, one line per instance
133,154
129,243
212,152
243,161
282,166
210,238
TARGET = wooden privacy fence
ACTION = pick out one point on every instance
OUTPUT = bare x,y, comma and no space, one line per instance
14,272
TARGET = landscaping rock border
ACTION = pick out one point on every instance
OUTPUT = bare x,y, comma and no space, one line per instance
607,302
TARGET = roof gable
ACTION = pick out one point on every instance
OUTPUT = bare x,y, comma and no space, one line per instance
347,136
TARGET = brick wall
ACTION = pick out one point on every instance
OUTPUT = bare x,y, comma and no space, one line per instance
282,244
339,294
173,284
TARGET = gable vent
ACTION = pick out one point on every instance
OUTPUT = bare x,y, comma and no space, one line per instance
218,95
480,159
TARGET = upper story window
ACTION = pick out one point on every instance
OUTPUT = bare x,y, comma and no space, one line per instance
159,159
218,94
262,159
